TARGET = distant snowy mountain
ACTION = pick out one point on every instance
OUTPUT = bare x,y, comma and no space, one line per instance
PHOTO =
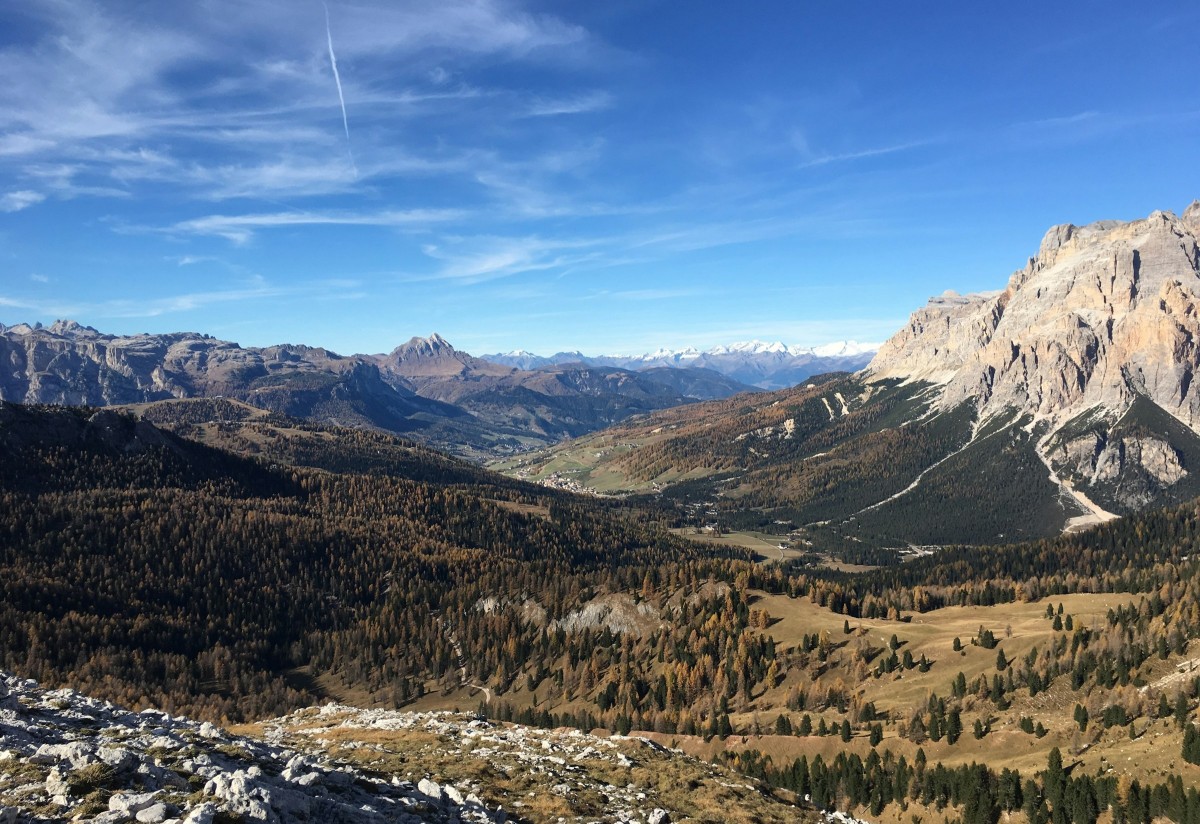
755,362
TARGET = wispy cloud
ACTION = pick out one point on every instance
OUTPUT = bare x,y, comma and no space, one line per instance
1069,129
240,228
51,308
1058,122
207,98
862,154
478,259
579,104
22,199
252,289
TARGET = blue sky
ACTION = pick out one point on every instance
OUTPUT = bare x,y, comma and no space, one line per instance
610,177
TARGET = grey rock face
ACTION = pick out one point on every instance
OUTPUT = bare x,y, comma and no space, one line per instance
1105,314
154,814
132,803
431,789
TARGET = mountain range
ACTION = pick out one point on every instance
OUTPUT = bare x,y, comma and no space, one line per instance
342,573
1065,399
203,555
757,363
424,388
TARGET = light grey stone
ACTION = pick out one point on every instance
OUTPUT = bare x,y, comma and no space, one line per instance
119,758
154,814
132,803
203,814
56,783
430,788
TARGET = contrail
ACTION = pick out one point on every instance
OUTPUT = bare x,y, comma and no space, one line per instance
337,78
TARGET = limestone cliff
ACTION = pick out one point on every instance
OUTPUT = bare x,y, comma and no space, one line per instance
1103,315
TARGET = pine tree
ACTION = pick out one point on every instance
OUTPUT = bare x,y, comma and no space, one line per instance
954,727
1191,744
1181,710
1081,717
876,734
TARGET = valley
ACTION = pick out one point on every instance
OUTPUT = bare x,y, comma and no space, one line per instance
521,412
874,592
683,641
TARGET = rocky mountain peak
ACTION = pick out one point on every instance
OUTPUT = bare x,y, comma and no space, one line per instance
69,328
416,347
1103,315
430,357
1191,217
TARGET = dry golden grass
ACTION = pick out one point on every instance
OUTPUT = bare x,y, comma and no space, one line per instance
931,634
765,545
1151,756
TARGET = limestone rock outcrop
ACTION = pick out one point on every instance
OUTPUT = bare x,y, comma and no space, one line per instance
1103,315
87,760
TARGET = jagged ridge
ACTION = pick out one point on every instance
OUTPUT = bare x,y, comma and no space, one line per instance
425,388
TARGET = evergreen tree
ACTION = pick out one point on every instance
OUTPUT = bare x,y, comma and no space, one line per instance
1181,710
954,727
876,734
1191,744
1081,717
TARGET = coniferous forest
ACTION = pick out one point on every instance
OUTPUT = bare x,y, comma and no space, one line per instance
143,564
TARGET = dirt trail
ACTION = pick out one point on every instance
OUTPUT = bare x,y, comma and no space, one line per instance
1184,672
461,660
917,482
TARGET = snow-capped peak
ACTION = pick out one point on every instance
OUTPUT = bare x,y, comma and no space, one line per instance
750,347
845,348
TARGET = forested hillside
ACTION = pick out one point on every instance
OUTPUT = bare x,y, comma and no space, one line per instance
152,569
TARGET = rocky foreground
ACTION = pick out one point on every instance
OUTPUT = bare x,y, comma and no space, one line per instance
66,757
